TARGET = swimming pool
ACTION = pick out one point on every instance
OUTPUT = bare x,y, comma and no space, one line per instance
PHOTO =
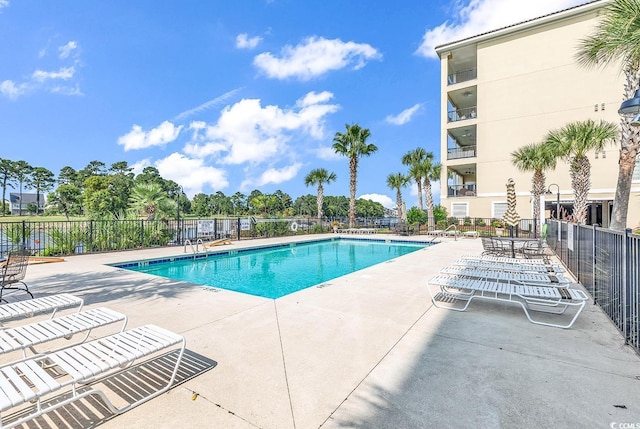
276,271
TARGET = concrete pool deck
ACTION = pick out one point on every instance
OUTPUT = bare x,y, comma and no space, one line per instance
367,351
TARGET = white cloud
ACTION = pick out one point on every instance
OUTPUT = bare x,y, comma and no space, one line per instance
315,57
191,173
65,73
328,153
243,41
314,98
273,176
3,4
479,16
164,133
138,166
67,90
404,116
65,50
248,132
11,90
379,198
208,104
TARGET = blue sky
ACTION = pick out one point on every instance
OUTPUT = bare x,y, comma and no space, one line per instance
232,95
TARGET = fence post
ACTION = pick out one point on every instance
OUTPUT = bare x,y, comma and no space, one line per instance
142,233
576,249
238,229
626,297
593,265
24,234
91,235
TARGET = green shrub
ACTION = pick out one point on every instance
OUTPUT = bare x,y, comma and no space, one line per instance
416,216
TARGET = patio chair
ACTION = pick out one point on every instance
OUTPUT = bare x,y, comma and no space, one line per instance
491,247
533,250
540,299
32,307
35,379
13,271
28,336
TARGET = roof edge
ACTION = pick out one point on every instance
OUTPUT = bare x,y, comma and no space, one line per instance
524,25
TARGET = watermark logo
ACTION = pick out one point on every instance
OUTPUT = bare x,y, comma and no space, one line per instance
627,425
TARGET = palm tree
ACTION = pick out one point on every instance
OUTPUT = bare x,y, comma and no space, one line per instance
430,172
149,199
617,39
353,144
414,159
319,176
398,181
572,142
536,158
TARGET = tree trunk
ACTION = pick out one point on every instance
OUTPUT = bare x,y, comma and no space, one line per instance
353,170
580,172
538,188
420,194
431,220
629,147
399,204
320,198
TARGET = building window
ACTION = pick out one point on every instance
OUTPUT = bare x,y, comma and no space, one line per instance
498,210
459,210
636,170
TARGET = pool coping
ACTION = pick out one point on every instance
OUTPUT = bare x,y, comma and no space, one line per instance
205,254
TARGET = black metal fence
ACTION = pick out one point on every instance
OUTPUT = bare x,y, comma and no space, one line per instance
59,238
607,263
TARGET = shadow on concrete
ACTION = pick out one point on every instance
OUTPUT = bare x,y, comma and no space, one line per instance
102,287
122,388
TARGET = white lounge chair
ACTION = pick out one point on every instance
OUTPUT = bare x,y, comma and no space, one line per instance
488,265
554,300
27,336
34,379
31,307
517,277
508,260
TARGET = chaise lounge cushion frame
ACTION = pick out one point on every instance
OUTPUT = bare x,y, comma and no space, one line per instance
532,298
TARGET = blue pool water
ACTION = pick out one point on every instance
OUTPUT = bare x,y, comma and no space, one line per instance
277,271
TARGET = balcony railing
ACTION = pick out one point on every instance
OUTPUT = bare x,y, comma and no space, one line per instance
466,190
461,152
462,114
462,76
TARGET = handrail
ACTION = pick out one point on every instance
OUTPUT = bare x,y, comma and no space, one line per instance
195,250
455,228
203,247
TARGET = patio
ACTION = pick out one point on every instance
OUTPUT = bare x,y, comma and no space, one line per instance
369,350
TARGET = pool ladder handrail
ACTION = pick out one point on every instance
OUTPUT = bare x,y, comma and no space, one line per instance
195,250
455,231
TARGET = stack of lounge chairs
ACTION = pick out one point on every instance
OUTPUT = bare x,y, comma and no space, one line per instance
537,285
34,369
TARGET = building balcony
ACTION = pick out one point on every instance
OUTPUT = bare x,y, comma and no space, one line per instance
462,76
462,114
461,152
465,190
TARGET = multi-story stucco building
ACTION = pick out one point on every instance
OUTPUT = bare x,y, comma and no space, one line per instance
509,87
